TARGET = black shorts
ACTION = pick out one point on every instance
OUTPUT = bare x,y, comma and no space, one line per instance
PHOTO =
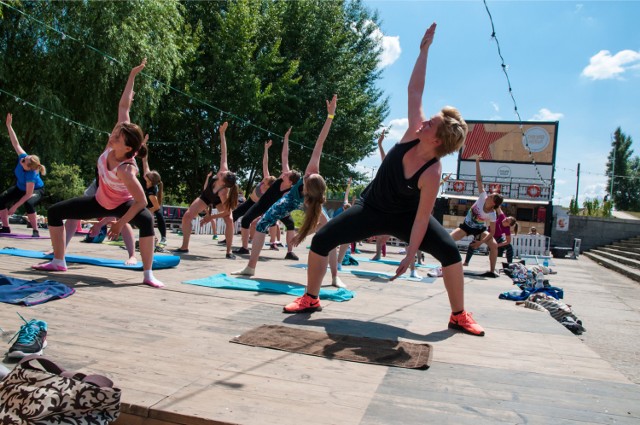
472,231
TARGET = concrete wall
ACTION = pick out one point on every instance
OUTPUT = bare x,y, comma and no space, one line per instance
595,231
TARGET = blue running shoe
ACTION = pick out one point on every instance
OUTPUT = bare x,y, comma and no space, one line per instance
31,339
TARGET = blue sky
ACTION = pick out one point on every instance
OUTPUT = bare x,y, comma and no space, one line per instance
575,62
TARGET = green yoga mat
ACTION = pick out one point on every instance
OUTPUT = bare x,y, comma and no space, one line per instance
223,281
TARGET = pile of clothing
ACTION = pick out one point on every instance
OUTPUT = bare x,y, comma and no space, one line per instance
533,290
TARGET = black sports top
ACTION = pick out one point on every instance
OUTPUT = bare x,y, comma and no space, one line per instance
208,195
390,192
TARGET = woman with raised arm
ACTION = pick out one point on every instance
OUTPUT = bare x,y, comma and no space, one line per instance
277,190
480,213
119,192
399,202
29,188
153,190
308,192
257,192
381,240
220,192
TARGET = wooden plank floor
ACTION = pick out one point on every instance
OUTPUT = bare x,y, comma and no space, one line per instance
169,349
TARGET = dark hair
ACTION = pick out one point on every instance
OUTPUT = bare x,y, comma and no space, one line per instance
294,176
497,200
154,178
133,137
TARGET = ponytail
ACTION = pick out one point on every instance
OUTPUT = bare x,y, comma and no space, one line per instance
42,170
160,191
232,198
35,165
314,198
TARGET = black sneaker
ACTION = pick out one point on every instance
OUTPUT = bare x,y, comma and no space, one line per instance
32,338
5,229
241,251
291,256
273,247
230,256
222,242
35,234
280,244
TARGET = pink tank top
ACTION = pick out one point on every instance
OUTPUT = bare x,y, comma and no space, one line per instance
112,192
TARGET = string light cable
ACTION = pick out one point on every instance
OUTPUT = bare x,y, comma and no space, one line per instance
515,105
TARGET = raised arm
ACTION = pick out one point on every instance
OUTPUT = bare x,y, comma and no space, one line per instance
145,159
223,148
346,192
127,94
479,175
380,148
314,163
265,159
285,152
13,137
416,86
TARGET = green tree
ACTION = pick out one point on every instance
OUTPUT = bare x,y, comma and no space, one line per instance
63,182
625,187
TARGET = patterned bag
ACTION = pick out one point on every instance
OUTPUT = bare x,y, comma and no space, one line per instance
39,392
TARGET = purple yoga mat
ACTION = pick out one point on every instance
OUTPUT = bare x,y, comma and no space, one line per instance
20,236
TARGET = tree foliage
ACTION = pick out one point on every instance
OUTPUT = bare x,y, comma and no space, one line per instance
625,172
262,65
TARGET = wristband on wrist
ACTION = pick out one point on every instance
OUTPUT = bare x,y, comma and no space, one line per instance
330,116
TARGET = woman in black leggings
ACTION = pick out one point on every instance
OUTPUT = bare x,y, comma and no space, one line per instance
153,190
399,202
276,191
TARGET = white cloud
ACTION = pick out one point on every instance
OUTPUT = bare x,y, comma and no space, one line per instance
546,115
389,46
396,129
579,7
496,107
604,66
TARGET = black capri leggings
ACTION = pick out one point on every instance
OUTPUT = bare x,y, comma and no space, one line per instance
162,226
361,222
13,194
264,203
242,209
85,207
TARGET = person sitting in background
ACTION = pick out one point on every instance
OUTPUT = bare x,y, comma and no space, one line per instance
533,231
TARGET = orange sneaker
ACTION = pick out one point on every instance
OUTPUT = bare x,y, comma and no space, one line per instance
465,323
303,304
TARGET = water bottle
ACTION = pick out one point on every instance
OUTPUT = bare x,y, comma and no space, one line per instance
545,262
539,280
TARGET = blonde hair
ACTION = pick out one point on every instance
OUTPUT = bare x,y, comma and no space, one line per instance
315,188
451,132
268,181
34,164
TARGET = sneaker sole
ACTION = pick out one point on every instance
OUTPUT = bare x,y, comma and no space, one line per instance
306,310
462,329
21,354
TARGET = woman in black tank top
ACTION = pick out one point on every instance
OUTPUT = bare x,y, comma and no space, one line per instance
221,192
399,202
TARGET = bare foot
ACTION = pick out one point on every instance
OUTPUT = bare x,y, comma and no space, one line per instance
132,261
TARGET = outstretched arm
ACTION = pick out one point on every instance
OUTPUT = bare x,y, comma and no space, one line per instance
145,159
346,192
13,137
223,148
127,94
285,152
479,175
265,159
380,148
314,163
416,86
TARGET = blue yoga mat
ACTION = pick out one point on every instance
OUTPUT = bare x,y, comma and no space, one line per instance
159,261
14,290
223,281
391,262
370,273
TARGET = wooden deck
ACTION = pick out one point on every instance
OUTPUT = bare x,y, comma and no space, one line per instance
169,349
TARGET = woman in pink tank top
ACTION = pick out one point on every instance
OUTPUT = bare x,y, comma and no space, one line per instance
119,192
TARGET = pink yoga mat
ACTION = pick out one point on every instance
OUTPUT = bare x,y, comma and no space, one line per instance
21,236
